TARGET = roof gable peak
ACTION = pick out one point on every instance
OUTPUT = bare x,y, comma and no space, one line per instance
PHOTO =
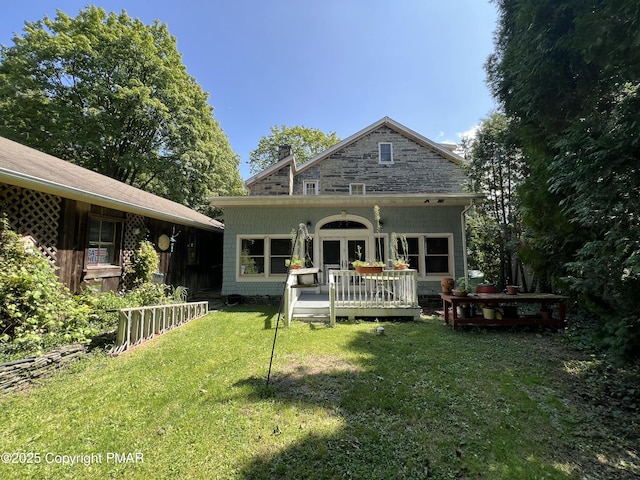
394,125
387,121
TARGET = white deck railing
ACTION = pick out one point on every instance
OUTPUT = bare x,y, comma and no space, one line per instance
388,293
142,323
387,289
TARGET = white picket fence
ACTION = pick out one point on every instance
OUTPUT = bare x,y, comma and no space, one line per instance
135,325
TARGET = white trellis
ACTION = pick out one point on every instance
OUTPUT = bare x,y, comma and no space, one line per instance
34,214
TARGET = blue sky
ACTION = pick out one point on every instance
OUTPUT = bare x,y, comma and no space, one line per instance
336,65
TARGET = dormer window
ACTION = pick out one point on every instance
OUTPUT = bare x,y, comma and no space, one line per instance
310,187
385,152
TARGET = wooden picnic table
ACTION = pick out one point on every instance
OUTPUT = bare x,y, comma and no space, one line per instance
546,315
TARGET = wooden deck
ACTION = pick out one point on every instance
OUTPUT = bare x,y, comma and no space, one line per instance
389,294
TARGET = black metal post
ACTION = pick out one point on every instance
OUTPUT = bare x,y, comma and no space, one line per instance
302,228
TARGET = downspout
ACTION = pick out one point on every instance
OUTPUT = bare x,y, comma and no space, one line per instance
463,225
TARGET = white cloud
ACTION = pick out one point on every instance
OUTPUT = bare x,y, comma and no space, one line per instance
469,134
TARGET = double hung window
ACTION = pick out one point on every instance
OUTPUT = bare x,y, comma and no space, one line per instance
262,257
102,248
385,153
437,256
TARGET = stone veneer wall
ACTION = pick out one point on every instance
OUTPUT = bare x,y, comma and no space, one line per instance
416,169
278,183
19,373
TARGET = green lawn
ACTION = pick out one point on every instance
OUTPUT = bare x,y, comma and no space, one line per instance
420,401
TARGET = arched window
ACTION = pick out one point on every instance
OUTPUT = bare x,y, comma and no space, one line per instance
344,225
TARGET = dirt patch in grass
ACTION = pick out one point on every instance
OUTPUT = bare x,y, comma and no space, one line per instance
316,378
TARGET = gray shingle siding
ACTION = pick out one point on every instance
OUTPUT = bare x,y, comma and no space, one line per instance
278,221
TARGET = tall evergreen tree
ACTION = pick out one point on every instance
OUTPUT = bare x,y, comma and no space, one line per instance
568,72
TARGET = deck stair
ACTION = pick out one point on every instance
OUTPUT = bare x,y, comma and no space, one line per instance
312,308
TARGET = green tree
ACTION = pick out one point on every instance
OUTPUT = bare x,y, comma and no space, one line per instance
598,176
496,165
305,143
568,72
111,94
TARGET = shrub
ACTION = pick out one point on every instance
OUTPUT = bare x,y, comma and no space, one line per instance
144,262
105,305
38,312
147,293
36,309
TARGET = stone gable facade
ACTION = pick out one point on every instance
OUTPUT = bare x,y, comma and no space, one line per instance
416,168
278,183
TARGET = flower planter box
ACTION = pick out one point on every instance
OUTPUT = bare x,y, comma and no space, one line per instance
368,269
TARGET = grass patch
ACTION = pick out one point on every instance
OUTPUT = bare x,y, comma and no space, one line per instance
420,401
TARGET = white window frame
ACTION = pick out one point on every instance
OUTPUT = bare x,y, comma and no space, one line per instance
423,253
364,188
96,245
380,159
310,183
420,241
249,276
265,276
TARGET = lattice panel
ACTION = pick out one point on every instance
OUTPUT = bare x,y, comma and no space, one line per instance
33,213
130,242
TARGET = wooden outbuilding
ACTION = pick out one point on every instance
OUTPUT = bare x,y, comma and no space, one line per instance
88,225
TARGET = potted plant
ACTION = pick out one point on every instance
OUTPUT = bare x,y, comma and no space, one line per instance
248,264
363,267
461,290
464,309
297,248
400,262
295,262
447,284
488,312
486,288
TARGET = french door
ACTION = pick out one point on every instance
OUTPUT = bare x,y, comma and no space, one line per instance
338,253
